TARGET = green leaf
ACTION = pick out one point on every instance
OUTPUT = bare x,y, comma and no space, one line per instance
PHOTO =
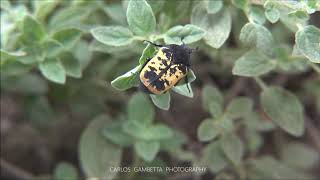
116,12
242,4
253,64
190,33
214,157
140,17
206,130
5,5
113,35
65,170
162,101
36,53
53,70
148,52
232,147
115,134
184,90
140,109
44,8
52,48
67,37
304,156
32,30
147,150
308,42
10,56
96,154
71,65
212,100
214,6
284,108
257,36
272,15
217,26
127,80
239,107
256,14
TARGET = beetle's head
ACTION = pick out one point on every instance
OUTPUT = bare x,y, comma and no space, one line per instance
181,53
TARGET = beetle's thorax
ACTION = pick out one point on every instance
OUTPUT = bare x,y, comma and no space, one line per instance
180,54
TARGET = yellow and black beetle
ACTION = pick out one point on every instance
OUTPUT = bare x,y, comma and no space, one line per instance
164,70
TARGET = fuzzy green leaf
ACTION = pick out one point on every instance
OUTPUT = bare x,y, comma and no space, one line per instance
53,70
162,101
143,115
140,17
214,6
67,37
65,170
113,35
147,150
257,36
71,65
232,147
253,64
239,107
284,108
127,80
308,42
190,33
217,26
272,15
96,154
32,30
212,100
207,131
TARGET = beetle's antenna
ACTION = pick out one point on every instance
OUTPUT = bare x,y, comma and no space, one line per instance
157,45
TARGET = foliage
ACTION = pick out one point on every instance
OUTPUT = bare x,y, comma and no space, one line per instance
85,57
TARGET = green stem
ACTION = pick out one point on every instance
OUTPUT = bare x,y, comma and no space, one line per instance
260,83
315,67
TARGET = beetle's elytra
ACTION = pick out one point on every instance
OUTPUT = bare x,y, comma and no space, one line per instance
164,70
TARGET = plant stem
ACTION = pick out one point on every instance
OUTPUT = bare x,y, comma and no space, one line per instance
259,81
315,67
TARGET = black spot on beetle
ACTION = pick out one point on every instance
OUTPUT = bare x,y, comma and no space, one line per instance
150,75
158,85
183,69
168,53
152,68
164,62
159,58
152,62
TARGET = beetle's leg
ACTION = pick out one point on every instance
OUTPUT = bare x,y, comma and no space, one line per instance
157,45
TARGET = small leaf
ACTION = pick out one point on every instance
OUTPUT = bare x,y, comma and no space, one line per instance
184,90
113,35
206,130
162,101
71,65
272,15
53,70
52,48
253,64
159,132
147,150
67,37
257,36
115,134
140,17
239,107
32,30
127,80
232,147
96,154
284,108
44,8
65,170
242,4
140,109
217,26
213,157
256,14
304,156
212,100
308,42
189,33
214,6
148,52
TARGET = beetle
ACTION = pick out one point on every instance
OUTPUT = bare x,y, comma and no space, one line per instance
165,69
